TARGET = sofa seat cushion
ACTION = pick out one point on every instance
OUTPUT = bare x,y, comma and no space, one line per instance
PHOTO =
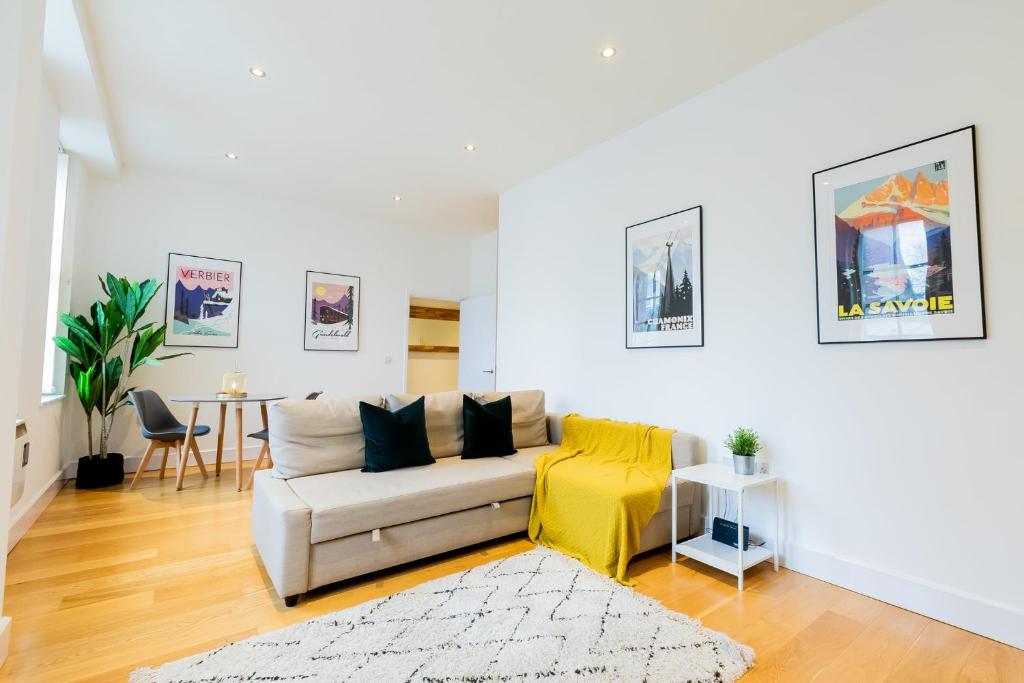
524,457
351,502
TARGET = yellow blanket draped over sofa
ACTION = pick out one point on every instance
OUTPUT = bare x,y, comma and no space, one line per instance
599,489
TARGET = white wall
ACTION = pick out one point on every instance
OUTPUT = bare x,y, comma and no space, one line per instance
43,472
21,80
484,264
902,473
131,224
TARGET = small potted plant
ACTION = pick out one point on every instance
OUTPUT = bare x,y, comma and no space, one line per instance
744,444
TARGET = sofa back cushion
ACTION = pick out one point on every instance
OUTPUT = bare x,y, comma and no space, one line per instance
312,437
529,423
488,428
395,439
444,419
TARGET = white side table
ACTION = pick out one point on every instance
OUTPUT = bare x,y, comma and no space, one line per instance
720,555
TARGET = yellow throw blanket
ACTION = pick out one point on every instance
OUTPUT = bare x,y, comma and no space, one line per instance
599,489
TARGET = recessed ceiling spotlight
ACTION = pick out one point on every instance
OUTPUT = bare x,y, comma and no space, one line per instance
231,155
609,52
470,147
258,72
397,197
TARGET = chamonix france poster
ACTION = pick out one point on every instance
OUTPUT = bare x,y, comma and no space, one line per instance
664,290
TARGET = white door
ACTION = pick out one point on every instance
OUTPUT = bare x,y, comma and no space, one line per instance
477,322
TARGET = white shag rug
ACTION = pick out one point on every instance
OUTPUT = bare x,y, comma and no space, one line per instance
535,616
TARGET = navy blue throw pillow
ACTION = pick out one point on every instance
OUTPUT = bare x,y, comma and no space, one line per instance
488,428
395,440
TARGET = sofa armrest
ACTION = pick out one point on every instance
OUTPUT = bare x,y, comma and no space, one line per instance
281,530
684,450
684,446
555,428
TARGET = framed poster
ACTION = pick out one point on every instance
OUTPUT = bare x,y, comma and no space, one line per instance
332,312
664,281
897,245
202,301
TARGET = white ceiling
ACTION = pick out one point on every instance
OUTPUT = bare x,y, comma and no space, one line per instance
68,58
366,99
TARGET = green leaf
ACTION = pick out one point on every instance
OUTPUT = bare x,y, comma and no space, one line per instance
145,344
83,332
113,373
87,387
147,290
69,347
108,319
175,355
125,295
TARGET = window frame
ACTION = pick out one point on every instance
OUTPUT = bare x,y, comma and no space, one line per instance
54,371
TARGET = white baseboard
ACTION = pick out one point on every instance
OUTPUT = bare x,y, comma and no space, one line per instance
131,462
30,512
974,613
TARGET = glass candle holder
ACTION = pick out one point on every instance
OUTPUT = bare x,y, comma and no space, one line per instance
233,384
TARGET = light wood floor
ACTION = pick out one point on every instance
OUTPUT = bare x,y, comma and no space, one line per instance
107,581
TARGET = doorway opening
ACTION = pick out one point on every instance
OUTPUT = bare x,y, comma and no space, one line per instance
433,361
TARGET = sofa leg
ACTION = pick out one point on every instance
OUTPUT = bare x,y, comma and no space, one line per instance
291,600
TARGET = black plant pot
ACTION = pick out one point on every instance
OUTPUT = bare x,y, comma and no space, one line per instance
95,472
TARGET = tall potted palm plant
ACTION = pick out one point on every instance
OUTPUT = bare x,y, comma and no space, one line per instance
104,350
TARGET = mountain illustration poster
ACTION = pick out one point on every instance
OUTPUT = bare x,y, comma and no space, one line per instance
664,303
203,298
332,312
897,244
893,254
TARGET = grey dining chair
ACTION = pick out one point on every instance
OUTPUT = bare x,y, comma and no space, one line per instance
162,429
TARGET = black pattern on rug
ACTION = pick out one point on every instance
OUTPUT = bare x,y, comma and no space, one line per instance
536,616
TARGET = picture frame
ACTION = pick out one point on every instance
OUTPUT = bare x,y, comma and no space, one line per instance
667,250
897,244
331,312
202,301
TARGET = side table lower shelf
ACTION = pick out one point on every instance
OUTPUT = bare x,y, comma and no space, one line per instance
703,548
722,556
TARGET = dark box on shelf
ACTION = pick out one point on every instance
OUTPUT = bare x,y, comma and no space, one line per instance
724,531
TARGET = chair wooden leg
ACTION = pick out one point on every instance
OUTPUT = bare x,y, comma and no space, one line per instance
181,461
220,435
238,448
163,461
259,460
142,465
189,434
270,458
199,459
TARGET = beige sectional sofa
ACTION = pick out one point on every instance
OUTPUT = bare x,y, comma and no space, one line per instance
318,519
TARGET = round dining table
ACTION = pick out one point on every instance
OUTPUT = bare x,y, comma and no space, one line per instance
196,400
